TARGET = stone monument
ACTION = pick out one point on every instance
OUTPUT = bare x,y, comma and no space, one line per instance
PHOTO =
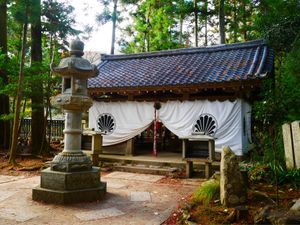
233,189
71,177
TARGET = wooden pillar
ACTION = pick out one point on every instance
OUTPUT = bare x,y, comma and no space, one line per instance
96,148
207,170
184,146
211,149
189,169
129,151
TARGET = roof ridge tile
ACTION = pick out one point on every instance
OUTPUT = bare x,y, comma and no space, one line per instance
182,51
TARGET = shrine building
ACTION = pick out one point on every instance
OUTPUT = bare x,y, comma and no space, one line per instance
206,90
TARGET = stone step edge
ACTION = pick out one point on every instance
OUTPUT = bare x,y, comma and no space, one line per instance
145,170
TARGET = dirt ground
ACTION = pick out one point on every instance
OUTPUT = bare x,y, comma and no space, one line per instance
215,213
26,166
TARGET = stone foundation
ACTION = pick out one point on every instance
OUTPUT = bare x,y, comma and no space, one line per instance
69,187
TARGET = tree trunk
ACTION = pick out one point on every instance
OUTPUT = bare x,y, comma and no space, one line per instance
180,30
4,99
13,148
114,21
37,114
48,102
51,56
221,22
3,26
235,22
205,22
147,47
244,31
196,22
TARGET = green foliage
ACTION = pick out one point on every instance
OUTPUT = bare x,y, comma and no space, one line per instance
107,14
185,216
153,28
11,67
280,104
2,66
57,24
39,72
239,20
258,172
19,10
208,191
267,172
113,15
287,176
58,19
279,22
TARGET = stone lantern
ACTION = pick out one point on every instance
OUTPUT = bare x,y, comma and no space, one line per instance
71,177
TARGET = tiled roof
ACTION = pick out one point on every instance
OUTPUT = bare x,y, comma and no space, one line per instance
214,64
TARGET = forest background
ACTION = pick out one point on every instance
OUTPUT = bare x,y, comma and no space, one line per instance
34,34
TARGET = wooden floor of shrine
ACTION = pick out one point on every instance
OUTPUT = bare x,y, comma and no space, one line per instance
162,158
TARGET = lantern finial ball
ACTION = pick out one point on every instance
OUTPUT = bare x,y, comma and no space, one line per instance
76,47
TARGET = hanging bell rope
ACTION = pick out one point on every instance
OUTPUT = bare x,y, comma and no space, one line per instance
156,106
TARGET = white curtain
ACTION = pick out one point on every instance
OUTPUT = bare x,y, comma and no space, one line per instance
179,118
131,118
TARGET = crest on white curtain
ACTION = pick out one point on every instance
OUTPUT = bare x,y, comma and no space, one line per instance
106,123
205,124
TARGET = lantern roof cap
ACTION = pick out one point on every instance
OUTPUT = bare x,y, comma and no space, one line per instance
75,65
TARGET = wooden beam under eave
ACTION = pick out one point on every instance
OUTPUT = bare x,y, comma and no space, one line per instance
152,98
130,97
184,88
185,96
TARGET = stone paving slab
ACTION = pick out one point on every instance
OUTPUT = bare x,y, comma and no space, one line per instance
99,214
6,179
6,194
24,183
193,181
17,215
116,185
134,176
139,196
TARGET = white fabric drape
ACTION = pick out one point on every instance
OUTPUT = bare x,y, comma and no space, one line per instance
179,117
131,119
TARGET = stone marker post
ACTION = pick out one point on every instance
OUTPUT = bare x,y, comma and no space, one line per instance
233,190
296,141
291,141
72,178
288,146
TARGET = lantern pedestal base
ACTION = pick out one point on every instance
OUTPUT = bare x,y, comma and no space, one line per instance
69,187
71,161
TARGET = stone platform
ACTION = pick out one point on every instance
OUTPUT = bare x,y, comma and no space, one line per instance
69,187
130,199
